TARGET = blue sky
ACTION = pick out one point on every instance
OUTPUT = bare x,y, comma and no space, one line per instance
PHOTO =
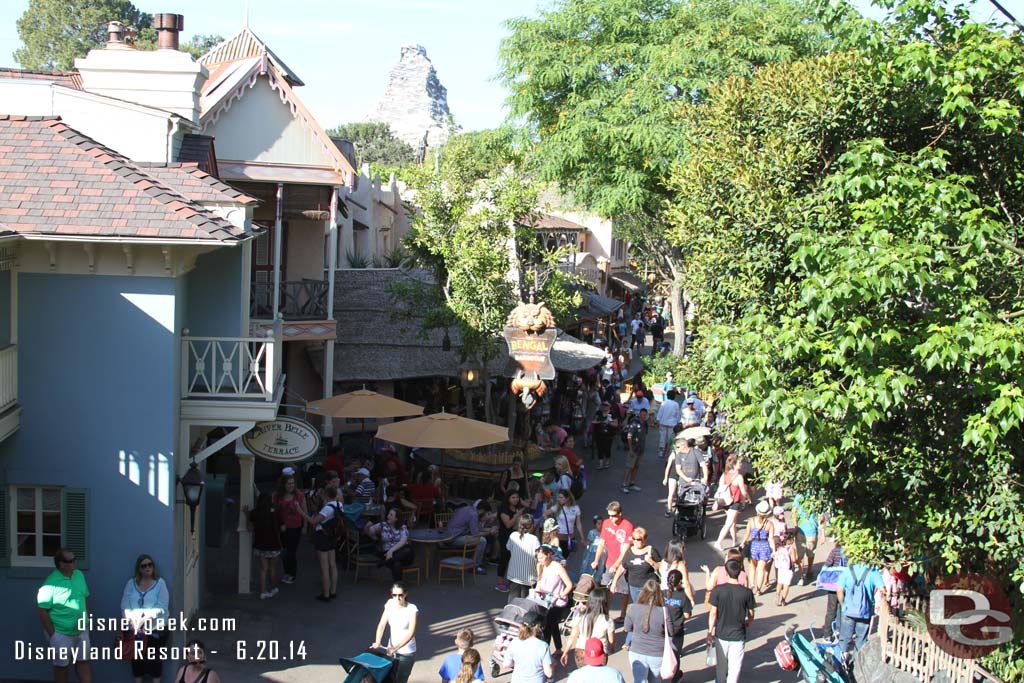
343,49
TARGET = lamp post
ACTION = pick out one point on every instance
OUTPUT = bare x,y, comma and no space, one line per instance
192,487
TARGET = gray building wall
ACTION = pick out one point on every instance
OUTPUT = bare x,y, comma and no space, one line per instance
213,290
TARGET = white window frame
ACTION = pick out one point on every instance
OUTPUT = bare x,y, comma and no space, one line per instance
37,560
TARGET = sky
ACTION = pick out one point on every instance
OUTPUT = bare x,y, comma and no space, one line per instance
344,49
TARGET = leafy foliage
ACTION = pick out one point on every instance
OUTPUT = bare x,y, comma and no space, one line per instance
375,143
855,235
199,44
55,32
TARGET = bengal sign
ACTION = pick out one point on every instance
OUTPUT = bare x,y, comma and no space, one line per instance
529,353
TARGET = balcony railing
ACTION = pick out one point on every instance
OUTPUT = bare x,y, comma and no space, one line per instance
240,368
8,376
300,300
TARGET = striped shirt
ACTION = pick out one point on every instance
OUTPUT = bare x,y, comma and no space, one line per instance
522,566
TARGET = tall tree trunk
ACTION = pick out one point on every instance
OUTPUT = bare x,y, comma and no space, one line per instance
678,309
488,408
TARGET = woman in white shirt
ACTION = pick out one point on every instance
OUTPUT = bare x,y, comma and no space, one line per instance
593,623
400,615
566,512
522,565
145,602
326,543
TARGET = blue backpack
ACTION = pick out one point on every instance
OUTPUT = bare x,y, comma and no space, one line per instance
856,601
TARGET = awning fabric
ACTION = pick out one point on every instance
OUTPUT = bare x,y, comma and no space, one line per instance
628,280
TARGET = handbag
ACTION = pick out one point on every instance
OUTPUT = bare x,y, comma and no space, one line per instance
124,646
669,661
711,656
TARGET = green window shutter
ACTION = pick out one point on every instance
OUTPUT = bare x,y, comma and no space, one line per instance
5,527
76,524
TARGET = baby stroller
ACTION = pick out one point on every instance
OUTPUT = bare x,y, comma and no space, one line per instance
690,513
818,660
371,666
507,625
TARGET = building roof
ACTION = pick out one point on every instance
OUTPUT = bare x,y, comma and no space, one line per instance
597,306
380,339
200,150
196,184
55,181
547,221
627,280
245,44
71,79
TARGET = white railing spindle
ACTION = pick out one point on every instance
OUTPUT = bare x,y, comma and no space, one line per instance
8,376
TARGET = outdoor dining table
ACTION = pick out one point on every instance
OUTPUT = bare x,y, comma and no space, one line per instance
429,538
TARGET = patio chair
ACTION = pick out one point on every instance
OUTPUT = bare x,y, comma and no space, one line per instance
459,564
360,556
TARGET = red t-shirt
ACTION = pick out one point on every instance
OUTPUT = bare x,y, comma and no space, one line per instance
424,492
614,535
574,461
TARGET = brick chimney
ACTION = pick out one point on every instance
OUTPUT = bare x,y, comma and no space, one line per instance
165,78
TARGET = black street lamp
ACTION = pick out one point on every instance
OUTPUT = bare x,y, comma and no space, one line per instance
192,487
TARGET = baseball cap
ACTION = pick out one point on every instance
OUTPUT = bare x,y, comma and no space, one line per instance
532,619
288,471
689,400
593,654
778,510
363,471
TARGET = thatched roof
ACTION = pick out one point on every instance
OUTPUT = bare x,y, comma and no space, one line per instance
379,341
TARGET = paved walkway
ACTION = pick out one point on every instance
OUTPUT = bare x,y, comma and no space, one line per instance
346,626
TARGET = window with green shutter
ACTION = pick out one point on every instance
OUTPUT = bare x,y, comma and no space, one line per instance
37,520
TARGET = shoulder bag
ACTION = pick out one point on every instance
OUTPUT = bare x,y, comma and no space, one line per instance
669,661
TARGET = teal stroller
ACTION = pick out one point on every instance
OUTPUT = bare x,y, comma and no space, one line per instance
369,667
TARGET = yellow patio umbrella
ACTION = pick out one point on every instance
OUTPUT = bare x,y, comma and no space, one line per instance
442,430
363,404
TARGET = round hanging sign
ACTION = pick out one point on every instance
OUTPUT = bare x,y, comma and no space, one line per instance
286,439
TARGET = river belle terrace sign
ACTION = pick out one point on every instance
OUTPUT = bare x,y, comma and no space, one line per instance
530,333
286,439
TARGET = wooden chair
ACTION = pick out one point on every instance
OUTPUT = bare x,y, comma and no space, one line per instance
411,569
459,564
359,556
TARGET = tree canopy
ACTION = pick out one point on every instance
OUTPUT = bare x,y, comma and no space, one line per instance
375,144
199,44
55,32
854,230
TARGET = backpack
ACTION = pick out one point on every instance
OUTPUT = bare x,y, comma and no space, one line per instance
335,526
857,602
784,656
723,494
579,484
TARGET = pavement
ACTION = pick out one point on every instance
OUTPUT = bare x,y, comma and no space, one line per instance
271,631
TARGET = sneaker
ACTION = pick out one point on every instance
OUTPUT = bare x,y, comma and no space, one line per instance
493,562
266,596
323,598
481,570
288,578
501,587
668,513
274,591
801,581
634,487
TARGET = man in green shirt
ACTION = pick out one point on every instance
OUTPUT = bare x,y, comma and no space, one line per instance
63,603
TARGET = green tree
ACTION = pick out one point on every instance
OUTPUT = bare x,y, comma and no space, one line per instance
376,144
199,44
55,32
864,300
600,82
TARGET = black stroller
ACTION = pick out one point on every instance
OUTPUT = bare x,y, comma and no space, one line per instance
690,513
507,625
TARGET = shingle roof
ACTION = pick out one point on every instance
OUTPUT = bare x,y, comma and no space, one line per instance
547,221
71,79
199,149
194,183
56,181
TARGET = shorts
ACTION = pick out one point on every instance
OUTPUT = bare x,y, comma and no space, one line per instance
805,545
621,587
267,554
632,460
324,543
65,645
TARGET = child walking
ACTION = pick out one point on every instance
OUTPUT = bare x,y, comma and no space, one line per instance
785,559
